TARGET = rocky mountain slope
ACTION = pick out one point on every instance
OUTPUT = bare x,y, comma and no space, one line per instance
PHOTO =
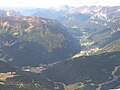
35,40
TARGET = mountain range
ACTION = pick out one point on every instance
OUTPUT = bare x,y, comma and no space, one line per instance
65,48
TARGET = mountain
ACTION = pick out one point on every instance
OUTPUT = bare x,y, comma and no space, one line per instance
108,33
35,40
78,19
8,13
111,47
91,12
99,71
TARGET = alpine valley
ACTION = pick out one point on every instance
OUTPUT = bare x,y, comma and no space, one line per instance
63,48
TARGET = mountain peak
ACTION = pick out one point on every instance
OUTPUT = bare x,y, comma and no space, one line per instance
4,12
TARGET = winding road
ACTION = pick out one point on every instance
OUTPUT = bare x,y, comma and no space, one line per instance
114,78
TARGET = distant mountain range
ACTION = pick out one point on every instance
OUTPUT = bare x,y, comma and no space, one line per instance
87,19
8,13
79,14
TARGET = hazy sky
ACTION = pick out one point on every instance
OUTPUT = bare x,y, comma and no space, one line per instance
49,3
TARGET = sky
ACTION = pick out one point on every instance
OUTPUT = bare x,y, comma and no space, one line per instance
56,3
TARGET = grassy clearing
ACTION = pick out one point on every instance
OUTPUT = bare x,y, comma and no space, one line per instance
4,76
87,43
78,55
